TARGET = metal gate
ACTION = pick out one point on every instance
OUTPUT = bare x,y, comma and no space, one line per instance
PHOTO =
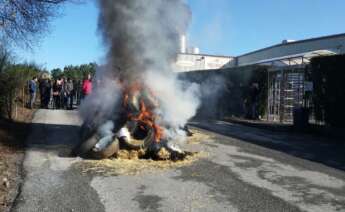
285,92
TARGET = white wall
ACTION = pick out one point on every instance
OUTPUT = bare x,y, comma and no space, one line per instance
193,62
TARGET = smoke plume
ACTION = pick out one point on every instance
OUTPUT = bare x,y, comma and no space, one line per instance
142,35
142,38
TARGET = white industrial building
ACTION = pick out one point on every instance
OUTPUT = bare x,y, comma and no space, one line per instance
190,59
286,64
292,52
287,53
192,62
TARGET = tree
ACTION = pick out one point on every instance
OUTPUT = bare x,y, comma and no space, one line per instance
56,73
86,69
4,58
75,72
22,20
13,83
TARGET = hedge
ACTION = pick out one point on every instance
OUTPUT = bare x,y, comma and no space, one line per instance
13,86
328,76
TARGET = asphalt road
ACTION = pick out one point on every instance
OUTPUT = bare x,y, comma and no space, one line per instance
247,170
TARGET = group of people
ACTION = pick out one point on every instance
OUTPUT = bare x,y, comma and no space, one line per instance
62,93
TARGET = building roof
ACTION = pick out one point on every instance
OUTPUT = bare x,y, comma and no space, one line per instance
207,55
297,58
294,42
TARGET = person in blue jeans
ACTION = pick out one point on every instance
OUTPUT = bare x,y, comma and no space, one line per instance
32,91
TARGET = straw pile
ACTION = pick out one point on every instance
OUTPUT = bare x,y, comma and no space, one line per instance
132,162
119,166
198,137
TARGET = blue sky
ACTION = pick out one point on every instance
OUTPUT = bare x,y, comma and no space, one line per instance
225,27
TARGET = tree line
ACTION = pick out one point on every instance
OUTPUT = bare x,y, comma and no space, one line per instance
14,78
22,23
74,72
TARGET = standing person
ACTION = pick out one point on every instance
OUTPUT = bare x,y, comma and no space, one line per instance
68,89
32,91
254,100
63,94
57,88
43,86
41,89
47,92
78,91
87,86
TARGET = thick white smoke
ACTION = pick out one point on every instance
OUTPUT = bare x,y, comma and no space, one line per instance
101,104
142,37
178,101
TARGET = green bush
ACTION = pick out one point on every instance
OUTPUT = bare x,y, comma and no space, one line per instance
328,75
13,83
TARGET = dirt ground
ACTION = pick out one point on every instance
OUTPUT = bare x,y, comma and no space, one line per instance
12,138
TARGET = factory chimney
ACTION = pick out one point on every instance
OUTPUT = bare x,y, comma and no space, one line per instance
183,44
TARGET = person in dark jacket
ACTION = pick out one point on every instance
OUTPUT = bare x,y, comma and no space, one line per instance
47,93
45,90
57,88
41,89
78,91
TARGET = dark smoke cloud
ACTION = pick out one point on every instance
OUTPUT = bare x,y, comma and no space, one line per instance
142,34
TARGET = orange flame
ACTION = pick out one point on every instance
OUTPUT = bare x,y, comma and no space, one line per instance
146,115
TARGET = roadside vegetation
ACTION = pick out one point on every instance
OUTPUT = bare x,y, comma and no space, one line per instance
14,122
22,22
13,84
328,76
15,118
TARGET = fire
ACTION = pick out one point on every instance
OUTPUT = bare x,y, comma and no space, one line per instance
144,101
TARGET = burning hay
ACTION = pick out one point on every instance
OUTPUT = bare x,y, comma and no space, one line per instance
199,136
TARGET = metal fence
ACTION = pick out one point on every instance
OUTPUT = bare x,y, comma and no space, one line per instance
286,89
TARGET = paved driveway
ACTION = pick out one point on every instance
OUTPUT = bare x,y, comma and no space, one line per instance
236,175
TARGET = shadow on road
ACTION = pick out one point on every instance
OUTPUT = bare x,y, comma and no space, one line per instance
322,150
53,137
13,134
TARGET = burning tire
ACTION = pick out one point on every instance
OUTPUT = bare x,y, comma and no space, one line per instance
87,130
85,146
88,139
141,137
109,151
138,136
